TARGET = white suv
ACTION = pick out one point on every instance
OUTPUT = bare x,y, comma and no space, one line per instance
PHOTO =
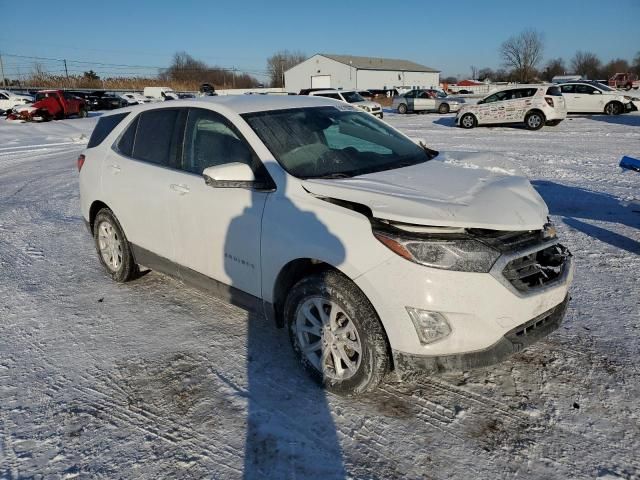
533,105
374,253
352,97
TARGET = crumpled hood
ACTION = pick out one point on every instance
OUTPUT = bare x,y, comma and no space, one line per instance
440,194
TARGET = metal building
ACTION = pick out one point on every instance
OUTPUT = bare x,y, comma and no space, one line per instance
324,70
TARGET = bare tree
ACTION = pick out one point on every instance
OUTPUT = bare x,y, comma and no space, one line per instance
617,65
474,72
522,53
636,63
486,74
554,67
586,64
280,62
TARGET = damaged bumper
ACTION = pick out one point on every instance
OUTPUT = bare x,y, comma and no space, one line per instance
514,341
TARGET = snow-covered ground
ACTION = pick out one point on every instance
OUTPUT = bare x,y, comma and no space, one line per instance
153,379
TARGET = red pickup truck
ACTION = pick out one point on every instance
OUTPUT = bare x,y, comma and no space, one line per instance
50,104
624,80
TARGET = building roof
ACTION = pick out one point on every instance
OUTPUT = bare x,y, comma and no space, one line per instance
374,63
469,83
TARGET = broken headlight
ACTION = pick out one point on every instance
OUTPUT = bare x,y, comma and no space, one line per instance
457,253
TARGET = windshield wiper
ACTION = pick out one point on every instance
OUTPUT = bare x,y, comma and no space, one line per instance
431,154
335,175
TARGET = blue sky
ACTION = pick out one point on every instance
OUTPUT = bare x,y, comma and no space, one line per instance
243,34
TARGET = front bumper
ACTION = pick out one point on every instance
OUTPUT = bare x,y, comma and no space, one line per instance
631,106
481,308
515,340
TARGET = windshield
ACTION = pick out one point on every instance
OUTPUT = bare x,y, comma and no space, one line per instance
331,142
602,86
352,97
441,95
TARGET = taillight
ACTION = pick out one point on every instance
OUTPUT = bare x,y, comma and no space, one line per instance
81,159
549,101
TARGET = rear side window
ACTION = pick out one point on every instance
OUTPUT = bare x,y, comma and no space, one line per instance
125,144
567,88
154,137
104,127
335,96
554,91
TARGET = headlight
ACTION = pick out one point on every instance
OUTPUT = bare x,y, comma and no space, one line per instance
458,254
365,108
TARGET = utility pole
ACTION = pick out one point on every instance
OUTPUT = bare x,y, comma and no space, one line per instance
2,71
233,72
66,71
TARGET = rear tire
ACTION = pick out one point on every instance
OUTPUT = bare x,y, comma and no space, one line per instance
468,120
336,334
83,113
613,108
534,120
402,108
112,247
443,108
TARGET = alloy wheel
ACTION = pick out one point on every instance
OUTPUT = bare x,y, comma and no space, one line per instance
328,338
110,245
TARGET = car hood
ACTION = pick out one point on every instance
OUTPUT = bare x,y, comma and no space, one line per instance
441,194
367,103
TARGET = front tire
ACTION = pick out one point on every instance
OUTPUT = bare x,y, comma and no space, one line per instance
468,120
443,108
336,334
613,108
534,120
402,108
112,247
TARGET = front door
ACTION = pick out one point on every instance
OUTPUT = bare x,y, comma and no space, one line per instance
217,230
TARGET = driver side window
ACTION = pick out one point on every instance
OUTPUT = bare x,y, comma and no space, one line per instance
211,140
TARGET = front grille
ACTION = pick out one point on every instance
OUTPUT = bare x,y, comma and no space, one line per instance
537,269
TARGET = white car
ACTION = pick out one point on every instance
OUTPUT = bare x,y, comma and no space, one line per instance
134,98
533,105
426,101
594,97
159,94
8,100
372,251
352,97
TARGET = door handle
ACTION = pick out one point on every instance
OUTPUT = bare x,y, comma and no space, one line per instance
181,189
115,168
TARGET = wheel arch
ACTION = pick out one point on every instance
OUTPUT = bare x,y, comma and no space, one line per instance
95,207
297,269
536,110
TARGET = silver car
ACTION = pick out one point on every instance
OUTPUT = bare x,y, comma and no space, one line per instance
426,101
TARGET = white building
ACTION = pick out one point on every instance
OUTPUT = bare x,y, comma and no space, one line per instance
348,72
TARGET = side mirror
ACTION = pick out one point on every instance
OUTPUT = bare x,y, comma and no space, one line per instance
233,175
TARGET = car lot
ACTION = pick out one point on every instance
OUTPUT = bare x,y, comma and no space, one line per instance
152,379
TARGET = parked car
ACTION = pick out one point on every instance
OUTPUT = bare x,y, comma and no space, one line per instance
374,253
134,98
426,101
352,97
207,90
533,105
159,94
594,97
100,100
8,100
183,96
626,81
50,104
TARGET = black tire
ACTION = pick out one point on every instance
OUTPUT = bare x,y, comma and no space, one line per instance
468,120
83,113
627,87
127,268
443,108
534,120
613,108
553,123
373,359
381,115
402,108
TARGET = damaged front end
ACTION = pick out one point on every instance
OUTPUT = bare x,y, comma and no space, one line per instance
525,261
29,113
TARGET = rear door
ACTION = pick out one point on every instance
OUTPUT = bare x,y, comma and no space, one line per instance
139,174
570,98
424,101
